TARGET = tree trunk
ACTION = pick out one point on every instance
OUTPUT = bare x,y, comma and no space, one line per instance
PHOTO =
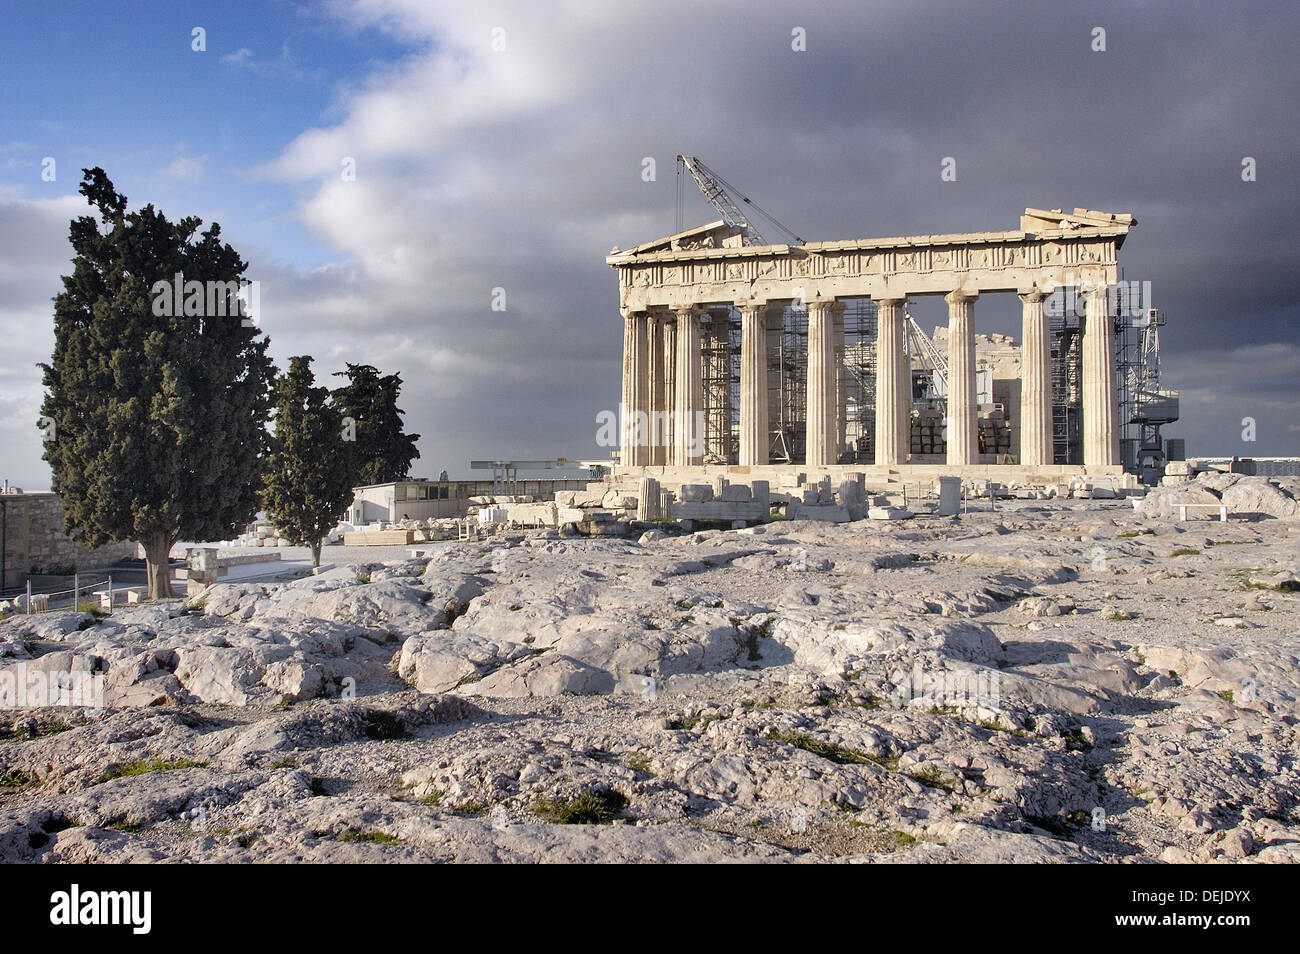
315,554
156,549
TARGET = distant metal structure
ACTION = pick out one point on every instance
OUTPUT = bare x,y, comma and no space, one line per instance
1144,406
922,351
723,196
505,473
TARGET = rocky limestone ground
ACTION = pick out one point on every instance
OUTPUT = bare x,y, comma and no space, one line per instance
754,695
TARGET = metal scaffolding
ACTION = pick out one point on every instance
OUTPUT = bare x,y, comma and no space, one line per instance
787,384
720,367
858,380
1067,388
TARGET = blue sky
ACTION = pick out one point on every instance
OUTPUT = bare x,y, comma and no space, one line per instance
518,166
120,85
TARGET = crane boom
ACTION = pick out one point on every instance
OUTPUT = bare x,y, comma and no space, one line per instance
719,193
921,342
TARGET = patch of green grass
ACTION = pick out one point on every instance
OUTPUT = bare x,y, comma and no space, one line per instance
126,826
433,799
902,839
454,610
1225,695
1185,551
145,766
472,807
639,761
1127,533
1076,741
589,808
372,837
839,754
53,727
516,607
11,779
933,778
383,726
1118,616
284,763
363,577
686,723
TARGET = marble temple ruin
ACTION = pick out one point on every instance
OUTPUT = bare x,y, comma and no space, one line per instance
679,297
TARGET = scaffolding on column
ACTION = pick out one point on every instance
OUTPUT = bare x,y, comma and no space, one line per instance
1067,387
860,331
720,369
787,377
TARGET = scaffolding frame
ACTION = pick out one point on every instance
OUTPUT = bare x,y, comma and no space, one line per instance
858,380
1067,388
788,377
720,371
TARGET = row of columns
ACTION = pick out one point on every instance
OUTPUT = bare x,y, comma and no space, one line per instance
663,389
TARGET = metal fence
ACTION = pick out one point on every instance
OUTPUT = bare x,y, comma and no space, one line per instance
94,588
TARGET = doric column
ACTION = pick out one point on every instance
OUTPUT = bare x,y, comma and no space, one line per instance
963,426
1100,439
636,390
753,384
688,427
820,440
655,389
1035,381
627,396
892,439
668,351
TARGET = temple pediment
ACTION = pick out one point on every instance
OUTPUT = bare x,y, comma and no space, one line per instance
713,235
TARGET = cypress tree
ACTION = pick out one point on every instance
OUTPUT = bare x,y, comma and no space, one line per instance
382,451
159,412
308,477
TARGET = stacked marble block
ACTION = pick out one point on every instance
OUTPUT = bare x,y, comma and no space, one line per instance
824,501
720,500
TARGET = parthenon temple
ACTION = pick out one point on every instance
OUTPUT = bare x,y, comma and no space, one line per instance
740,356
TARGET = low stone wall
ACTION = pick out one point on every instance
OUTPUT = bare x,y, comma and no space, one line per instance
34,540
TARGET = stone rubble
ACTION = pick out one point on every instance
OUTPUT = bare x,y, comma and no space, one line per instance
774,693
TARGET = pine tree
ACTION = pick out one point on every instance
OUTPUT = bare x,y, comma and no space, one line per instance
159,413
308,478
381,451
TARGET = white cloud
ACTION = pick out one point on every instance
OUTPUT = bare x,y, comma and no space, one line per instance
184,169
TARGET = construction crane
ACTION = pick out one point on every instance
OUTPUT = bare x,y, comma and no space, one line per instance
920,346
723,196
